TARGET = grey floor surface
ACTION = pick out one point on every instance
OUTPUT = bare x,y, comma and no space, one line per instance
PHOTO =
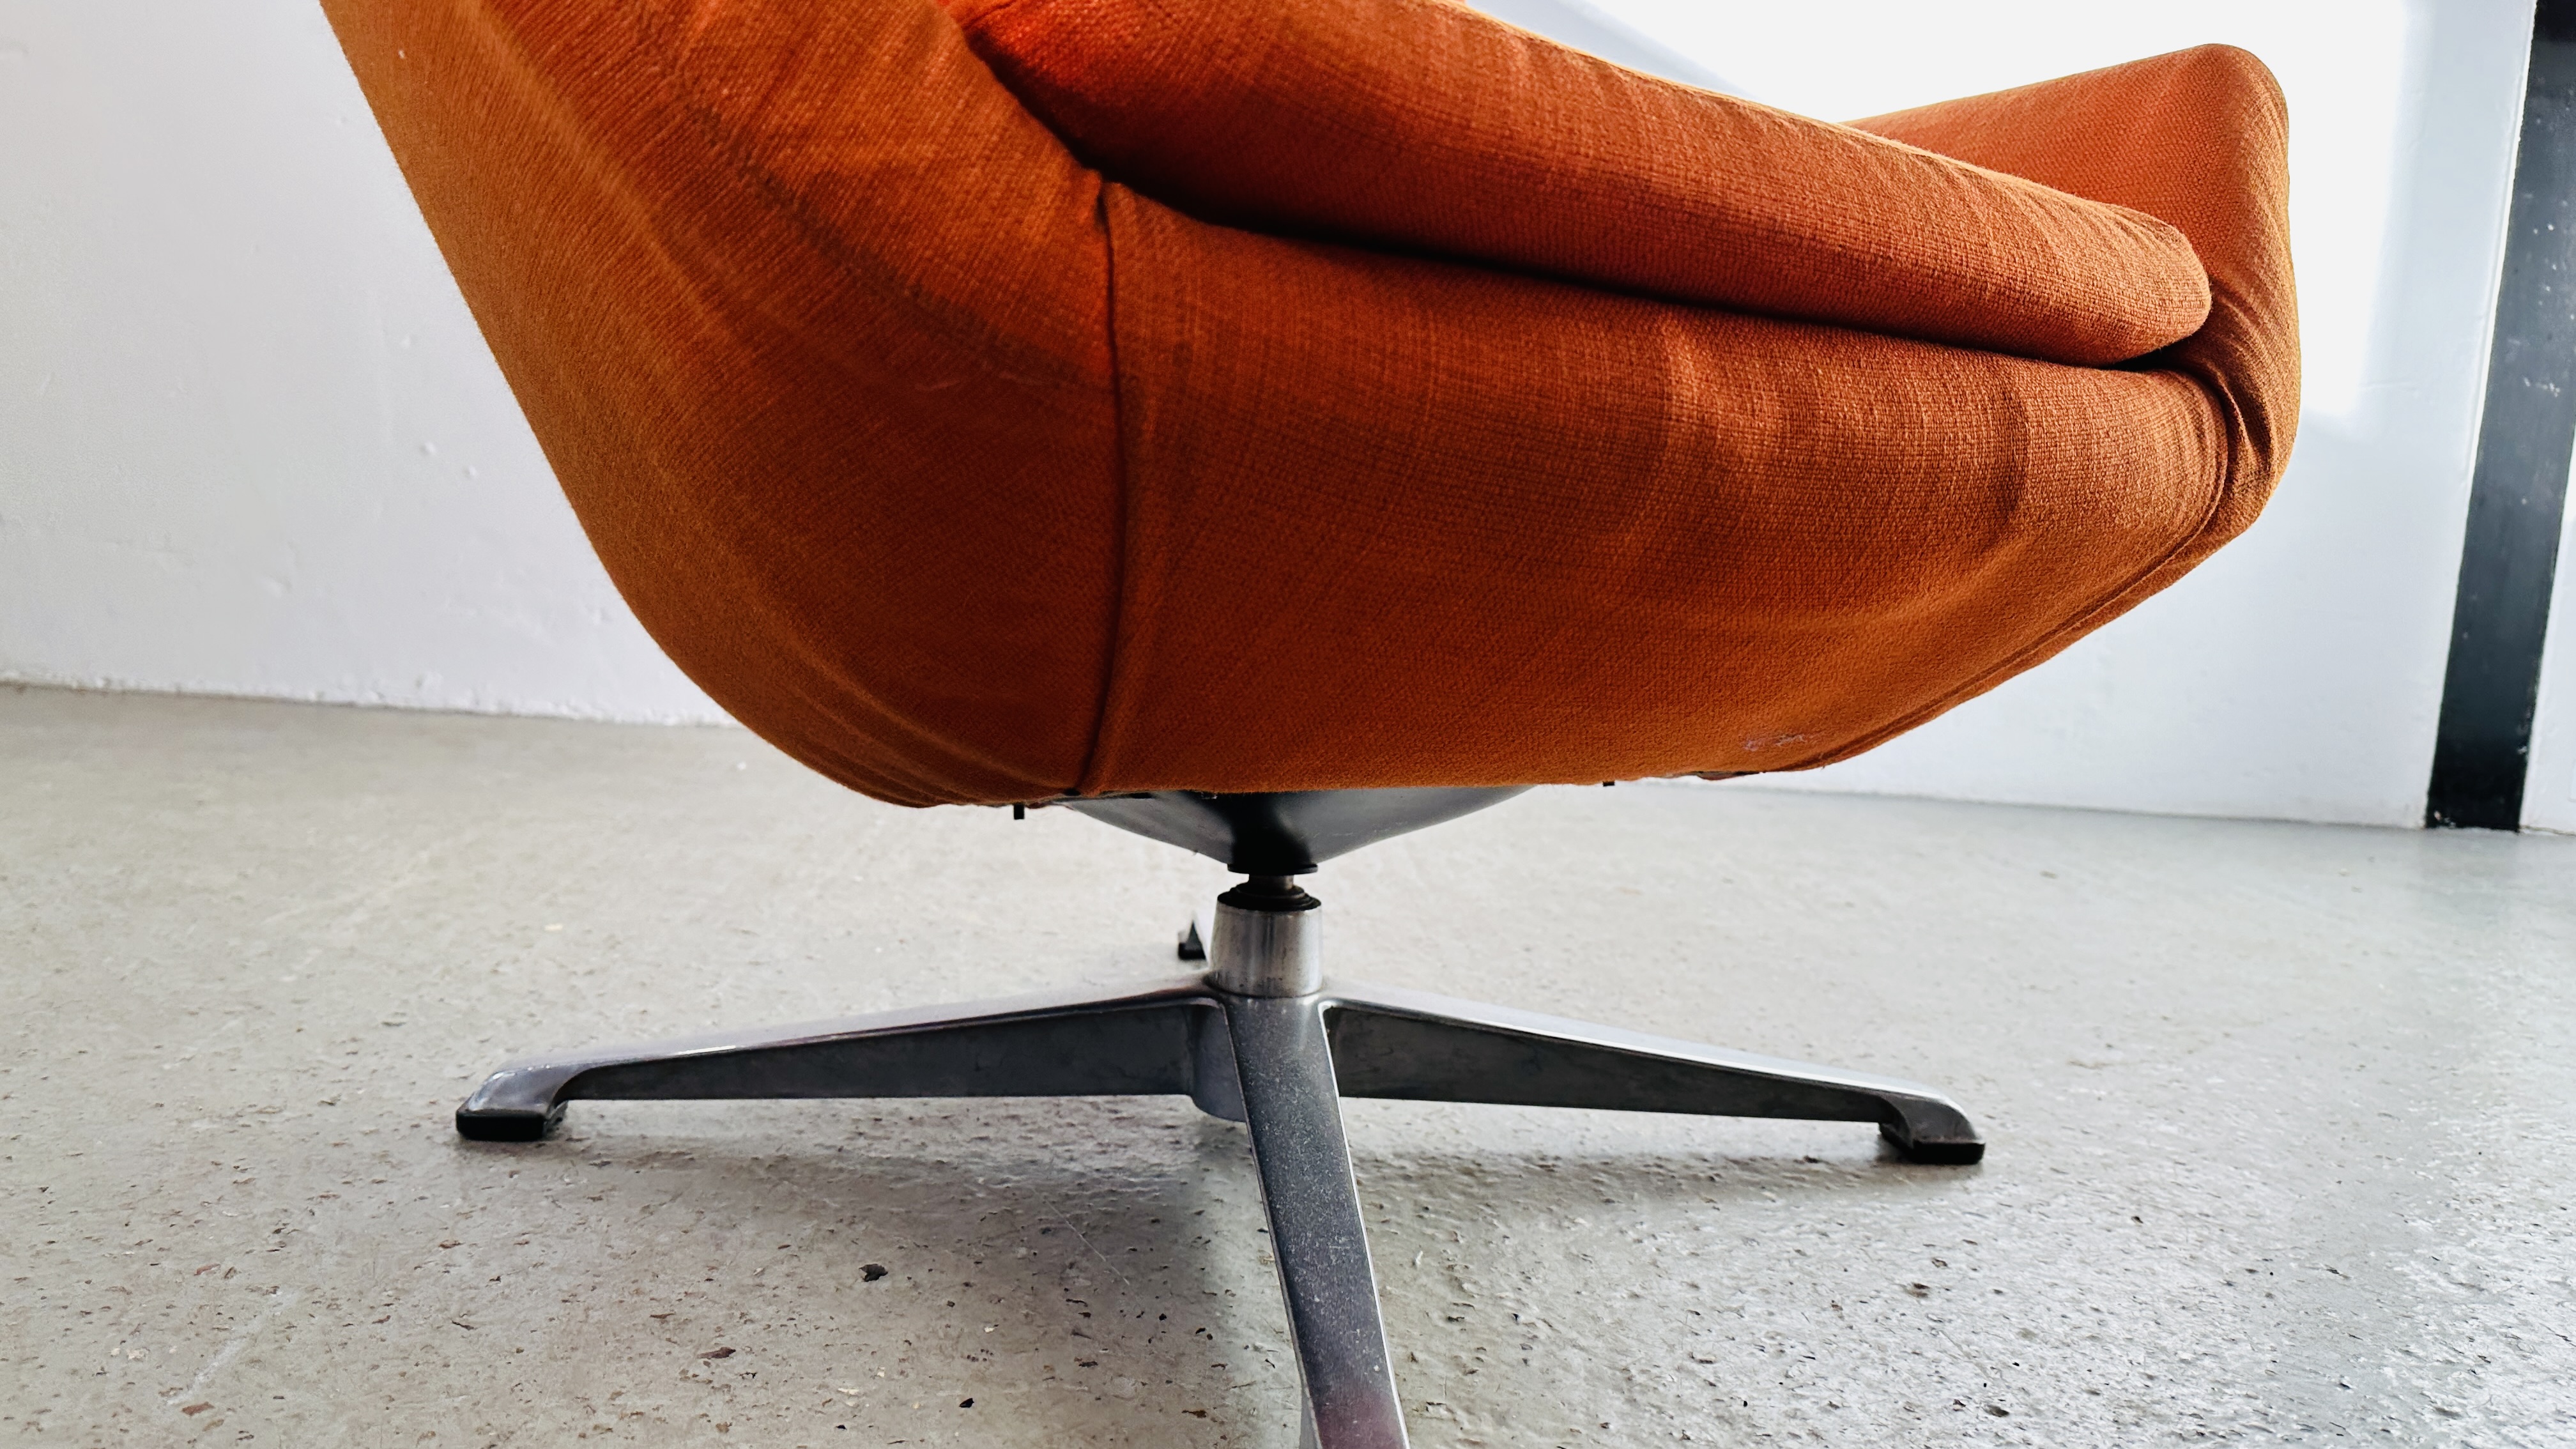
2279,1115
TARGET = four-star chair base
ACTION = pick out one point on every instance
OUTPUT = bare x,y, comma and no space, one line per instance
1262,1039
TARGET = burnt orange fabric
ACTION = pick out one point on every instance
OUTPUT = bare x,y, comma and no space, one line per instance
964,475
811,318
2198,138
1424,125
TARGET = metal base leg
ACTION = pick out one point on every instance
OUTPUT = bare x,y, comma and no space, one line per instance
1260,1039
1419,1047
1156,1040
1285,1063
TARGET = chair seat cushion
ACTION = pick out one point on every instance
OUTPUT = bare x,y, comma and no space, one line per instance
1422,125
1405,519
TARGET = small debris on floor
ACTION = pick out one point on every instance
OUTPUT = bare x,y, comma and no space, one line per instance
717,1353
871,1272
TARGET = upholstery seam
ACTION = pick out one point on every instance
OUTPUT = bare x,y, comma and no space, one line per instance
1114,653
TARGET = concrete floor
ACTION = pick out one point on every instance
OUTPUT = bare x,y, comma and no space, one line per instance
2279,1115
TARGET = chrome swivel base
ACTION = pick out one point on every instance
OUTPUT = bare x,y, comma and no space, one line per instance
1260,1039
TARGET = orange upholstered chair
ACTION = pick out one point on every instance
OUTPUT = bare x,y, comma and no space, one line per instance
1272,424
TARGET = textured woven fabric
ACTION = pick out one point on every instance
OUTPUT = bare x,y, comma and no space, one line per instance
811,318
1423,125
964,475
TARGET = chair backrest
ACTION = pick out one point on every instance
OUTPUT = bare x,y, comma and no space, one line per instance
811,318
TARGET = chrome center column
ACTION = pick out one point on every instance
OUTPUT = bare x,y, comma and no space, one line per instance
1267,964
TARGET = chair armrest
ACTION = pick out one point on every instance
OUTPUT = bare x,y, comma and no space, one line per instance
1424,126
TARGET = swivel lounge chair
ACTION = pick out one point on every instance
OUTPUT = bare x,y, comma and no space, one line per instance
1273,425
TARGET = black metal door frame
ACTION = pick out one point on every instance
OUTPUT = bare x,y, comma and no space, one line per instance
2518,493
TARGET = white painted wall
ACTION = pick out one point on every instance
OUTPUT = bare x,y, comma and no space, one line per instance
251,443
250,440
2549,784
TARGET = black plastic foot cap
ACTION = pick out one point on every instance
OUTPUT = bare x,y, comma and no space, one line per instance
506,1126
1937,1154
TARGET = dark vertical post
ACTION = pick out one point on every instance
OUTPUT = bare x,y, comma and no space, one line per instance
2519,489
